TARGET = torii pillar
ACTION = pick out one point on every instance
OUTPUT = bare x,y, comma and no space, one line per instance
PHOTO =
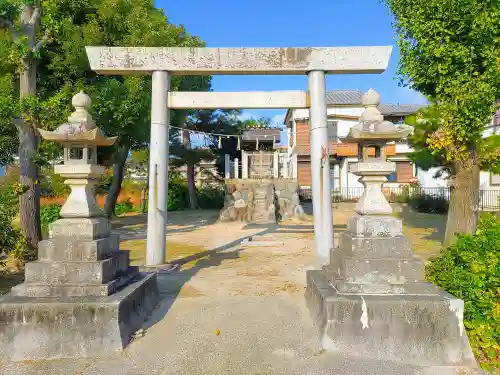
162,63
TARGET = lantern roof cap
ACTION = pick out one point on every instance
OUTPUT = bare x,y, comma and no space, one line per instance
372,125
80,128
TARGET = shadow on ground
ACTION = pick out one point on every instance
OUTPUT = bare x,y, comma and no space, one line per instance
135,228
417,220
10,279
171,283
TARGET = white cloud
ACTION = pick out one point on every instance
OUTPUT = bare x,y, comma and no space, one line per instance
243,116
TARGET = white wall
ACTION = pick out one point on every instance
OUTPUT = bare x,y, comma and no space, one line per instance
428,179
343,124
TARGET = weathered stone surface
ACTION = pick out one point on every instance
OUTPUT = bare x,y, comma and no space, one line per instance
266,200
81,228
71,249
418,288
382,271
51,328
375,226
74,290
373,247
420,329
373,201
182,61
77,272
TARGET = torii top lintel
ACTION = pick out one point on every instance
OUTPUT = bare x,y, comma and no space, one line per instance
212,61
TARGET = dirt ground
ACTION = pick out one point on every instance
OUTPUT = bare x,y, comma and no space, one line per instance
212,262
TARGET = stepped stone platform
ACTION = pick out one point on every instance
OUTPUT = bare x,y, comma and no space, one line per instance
372,300
81,298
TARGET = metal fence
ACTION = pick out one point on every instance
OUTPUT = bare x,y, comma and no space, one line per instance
489,200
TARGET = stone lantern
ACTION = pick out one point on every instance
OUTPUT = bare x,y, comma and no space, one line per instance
90,298
80,138
373,132
372,299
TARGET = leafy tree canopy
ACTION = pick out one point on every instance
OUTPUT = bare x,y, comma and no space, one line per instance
121,105
449,52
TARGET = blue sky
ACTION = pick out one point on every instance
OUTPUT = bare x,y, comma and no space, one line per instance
293,23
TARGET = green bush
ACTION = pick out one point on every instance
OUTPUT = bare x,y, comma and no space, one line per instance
178,195
211,198
429,203
124,207
48,214
9,235
470,270
104,183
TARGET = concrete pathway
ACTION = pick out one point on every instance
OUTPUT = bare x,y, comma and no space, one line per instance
219,336
229,310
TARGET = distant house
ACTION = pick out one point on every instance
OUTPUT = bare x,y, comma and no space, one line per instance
343,111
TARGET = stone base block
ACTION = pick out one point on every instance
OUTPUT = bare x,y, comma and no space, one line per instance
380,271
84,272
421,288
419,329
51,328
74,290
80,228
71,249
374,226
374,247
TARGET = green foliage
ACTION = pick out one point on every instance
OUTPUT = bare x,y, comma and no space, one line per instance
22,251
431,204
124,207
104,183
449,52
178,195
211,198
9,235
52,184
470,270
49,213
261,123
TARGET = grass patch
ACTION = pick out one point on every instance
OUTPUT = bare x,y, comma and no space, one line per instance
175,251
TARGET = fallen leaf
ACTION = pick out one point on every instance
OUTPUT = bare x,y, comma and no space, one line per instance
217,332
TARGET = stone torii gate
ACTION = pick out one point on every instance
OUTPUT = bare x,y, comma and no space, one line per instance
162,63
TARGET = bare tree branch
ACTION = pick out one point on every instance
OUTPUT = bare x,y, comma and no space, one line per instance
36,16
41,43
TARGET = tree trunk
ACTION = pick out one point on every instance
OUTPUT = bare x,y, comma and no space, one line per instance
116,185
464,202
193,198
29,202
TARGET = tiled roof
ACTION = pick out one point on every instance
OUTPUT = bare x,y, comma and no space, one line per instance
262,134
399,109
353,97
343,97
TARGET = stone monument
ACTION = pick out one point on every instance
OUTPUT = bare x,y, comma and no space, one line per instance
81,297
372,299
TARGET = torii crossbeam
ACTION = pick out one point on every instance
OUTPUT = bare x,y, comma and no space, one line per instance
162,63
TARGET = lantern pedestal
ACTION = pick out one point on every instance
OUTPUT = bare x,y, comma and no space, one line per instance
81,178
373,175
